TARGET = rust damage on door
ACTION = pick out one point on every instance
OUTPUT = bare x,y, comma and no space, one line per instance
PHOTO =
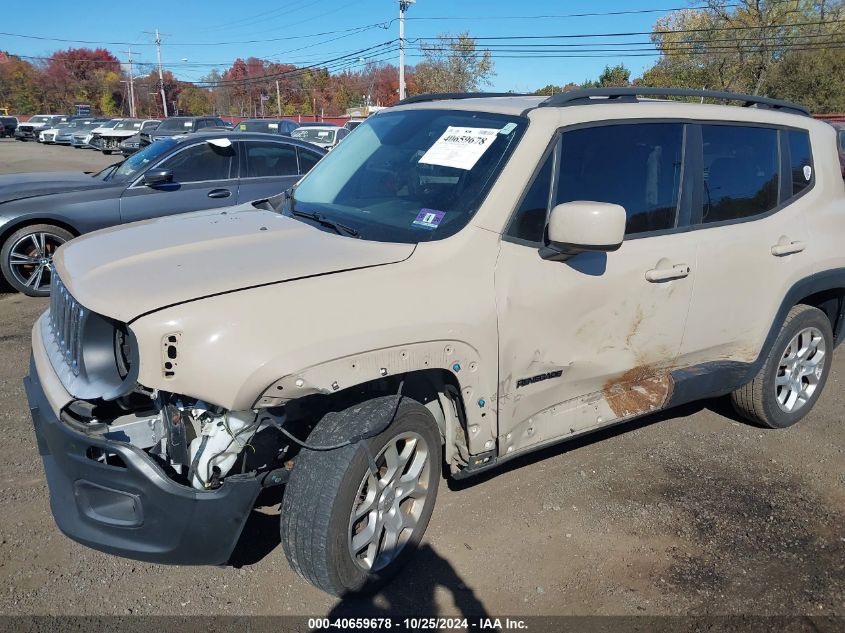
639,390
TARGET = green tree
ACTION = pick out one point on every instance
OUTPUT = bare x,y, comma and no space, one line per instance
611,77
453,64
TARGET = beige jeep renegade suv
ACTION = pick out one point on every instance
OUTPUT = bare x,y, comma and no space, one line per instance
465,279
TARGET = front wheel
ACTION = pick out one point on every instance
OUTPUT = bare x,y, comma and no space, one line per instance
794,374
26,257
349,524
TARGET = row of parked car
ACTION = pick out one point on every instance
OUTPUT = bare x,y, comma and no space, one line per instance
172,166
127,135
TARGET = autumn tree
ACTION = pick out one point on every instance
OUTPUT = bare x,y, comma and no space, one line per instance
82,75
739,45
20,86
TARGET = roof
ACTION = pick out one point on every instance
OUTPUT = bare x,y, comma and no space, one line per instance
235,135
515,104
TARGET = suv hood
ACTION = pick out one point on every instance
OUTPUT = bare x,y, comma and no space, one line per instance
125,272
19,186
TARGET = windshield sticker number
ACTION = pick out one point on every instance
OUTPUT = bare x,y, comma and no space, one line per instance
187,123
242,126
460,147
510,127
429,218
273,126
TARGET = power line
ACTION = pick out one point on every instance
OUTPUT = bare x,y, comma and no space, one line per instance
632,33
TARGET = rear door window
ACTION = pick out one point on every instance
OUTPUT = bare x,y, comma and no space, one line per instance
265,159
741,172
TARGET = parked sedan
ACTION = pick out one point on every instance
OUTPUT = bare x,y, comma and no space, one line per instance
41,211
269,126
66,133
325,136
82,133
93,141
110,140
29,130
178,125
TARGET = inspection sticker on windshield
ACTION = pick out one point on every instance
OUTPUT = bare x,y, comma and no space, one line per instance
460,147
429,218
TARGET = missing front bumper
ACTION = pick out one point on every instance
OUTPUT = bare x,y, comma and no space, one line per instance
129,507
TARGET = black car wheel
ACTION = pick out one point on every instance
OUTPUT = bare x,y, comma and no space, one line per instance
26,258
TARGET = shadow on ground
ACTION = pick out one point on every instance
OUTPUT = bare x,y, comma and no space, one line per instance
414,592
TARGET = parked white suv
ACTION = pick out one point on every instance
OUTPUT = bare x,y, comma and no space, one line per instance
461,281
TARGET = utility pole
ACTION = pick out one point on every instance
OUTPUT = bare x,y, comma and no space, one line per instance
278,99
131,85
160,74
403,6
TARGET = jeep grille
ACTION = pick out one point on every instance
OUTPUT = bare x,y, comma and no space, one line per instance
67,320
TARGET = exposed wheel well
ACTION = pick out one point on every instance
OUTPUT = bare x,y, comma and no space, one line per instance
436,389
832,303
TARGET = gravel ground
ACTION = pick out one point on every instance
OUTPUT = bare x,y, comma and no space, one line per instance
686,512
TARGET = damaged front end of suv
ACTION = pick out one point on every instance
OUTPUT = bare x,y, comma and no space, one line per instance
137,471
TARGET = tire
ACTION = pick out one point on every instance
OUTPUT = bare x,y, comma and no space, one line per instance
27,242
325,488
794,374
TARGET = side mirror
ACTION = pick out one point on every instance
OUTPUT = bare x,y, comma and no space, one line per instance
158,177
578,227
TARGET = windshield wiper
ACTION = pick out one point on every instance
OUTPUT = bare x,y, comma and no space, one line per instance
339,228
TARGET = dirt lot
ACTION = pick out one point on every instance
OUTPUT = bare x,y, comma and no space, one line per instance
17,157
690,511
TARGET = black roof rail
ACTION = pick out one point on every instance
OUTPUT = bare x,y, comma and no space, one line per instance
442,96
629,95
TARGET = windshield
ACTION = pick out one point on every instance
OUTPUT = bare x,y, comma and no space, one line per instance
39,119
128,124
108,124
842,141
313,135
175,124
139,160
410,176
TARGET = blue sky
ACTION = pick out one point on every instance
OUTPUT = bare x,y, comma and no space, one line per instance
203,35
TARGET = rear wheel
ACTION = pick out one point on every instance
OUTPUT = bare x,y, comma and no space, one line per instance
26,258
794,374
348,525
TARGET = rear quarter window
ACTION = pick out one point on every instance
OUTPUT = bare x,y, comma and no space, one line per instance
801,160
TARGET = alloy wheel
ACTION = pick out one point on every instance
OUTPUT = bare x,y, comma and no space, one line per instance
390,502
800,370
31,259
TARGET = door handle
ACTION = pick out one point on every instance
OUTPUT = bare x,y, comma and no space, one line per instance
678,271
219,193
782,249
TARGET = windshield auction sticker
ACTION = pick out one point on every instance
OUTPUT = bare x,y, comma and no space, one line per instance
460,147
